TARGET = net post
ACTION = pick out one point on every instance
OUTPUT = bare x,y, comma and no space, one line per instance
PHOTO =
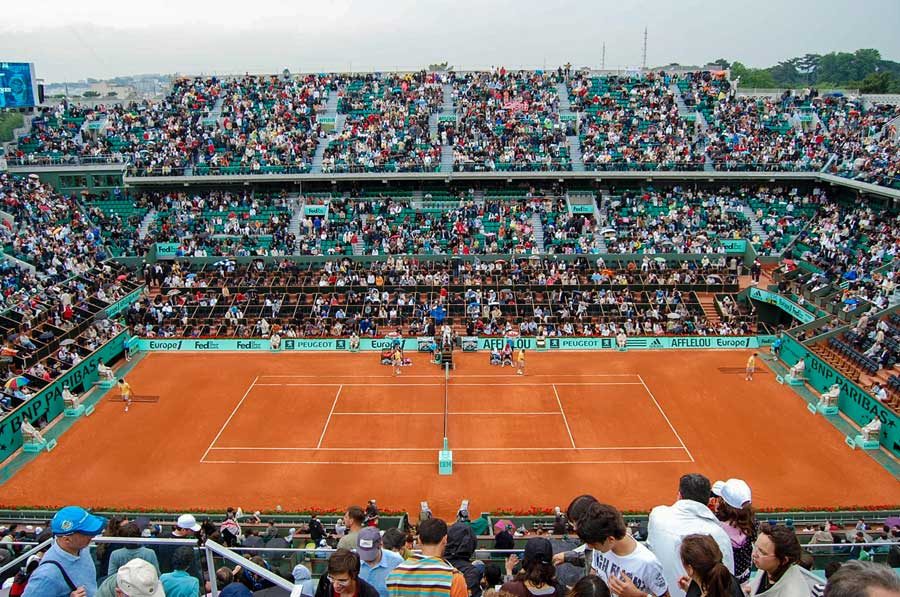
445,455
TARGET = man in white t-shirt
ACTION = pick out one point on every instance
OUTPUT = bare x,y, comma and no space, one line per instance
628,568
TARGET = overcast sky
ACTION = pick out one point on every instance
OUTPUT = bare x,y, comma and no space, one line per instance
104,38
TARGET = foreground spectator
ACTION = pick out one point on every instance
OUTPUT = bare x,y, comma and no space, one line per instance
581,556
304,585
735,511
538,574
136,578
668,525
343,579
186,527
627,567
589,586
863,579
377,562
67,569
131,551
776,555
461,544
179,583
353,520
705,574
427,572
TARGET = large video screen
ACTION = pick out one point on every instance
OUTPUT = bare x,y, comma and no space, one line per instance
17,85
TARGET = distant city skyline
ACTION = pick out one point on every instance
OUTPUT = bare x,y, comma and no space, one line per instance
102,39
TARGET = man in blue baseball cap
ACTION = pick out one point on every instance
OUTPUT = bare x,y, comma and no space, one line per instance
67,569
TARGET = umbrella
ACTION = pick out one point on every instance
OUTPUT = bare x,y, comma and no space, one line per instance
15,383
122,277
503,524
674,315
67,342
33,176
173,292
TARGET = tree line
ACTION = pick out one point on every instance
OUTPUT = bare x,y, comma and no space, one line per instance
863,69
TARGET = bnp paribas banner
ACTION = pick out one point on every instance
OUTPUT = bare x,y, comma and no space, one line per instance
562,343
48,403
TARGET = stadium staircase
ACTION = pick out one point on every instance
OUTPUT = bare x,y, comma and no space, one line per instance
478,197
819,122
446,110
563,93
359,247
701,128
447,106
331,107
565,109
433,126
601,213
575,153
683,110
216,112
146,223
708,303
296,216
538,228
446,158
755,228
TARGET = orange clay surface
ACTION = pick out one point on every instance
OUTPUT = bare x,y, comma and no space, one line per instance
326,430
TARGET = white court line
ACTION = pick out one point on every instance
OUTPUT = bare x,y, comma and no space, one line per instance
563,413
500,383
328,420
542,412
352,385
440,376
457,462
228,420
662,412
529,449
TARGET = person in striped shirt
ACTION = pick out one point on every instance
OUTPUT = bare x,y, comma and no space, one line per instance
428,573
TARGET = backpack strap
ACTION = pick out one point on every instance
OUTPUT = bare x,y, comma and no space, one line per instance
62,571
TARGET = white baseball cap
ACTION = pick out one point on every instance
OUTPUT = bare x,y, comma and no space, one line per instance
138,578
734,492
187,521
717,488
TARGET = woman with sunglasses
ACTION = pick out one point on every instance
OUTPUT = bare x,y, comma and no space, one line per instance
776,554
342,577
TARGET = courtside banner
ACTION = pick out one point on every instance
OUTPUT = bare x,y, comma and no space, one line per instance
124,303
376,344
262,344
854,402
48,403
789,307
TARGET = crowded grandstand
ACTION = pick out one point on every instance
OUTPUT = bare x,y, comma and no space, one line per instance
445,213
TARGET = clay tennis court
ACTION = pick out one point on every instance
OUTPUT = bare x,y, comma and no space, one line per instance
327,430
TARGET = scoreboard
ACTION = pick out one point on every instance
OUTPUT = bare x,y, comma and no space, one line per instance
18,86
